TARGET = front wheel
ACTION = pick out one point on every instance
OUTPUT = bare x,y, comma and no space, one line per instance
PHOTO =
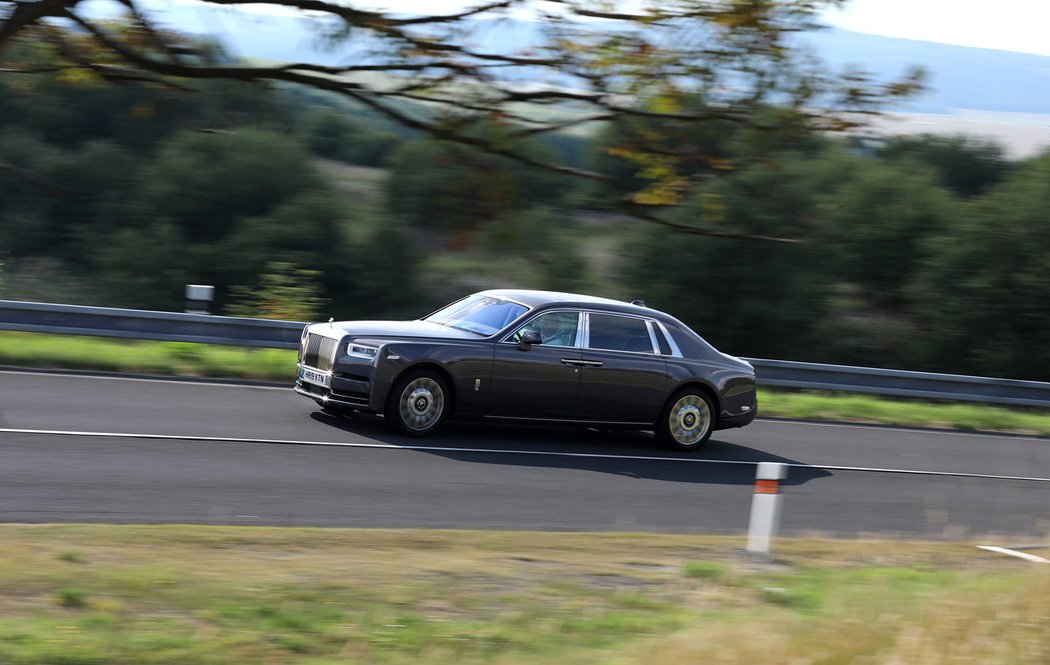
687,420
418,403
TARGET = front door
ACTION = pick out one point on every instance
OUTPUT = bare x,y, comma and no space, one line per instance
540,382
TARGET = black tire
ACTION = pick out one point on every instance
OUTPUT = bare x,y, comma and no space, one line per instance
418,403
687,420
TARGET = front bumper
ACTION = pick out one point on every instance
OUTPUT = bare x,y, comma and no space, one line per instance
351,387
350,376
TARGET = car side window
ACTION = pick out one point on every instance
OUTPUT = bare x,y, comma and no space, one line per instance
619,333
556,328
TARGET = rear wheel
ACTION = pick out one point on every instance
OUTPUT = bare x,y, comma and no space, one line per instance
418,403
687,420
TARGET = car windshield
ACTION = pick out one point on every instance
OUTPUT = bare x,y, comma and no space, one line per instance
483,315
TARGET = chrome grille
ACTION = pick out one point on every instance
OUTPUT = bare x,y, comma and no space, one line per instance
320,351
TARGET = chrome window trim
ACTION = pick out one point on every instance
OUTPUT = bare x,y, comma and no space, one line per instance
587,345
580,319
652,337
675,351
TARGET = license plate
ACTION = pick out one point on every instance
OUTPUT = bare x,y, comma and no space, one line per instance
315,377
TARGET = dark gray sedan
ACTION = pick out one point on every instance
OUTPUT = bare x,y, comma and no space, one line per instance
530,356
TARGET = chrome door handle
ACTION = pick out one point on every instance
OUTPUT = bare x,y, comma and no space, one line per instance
581,363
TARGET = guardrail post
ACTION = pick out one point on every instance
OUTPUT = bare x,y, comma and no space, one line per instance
765,506
198,296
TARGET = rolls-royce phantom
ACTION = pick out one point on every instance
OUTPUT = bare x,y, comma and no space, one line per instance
530,356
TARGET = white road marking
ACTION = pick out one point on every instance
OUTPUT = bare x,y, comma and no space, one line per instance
1020,555
779,421
497,451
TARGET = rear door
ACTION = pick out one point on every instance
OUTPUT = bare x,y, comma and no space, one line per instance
624,379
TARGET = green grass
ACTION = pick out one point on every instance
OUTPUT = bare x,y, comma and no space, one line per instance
865,409
134,356
220,595
205,360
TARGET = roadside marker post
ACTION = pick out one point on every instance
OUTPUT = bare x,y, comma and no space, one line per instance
765,506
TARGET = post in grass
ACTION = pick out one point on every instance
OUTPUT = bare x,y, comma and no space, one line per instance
765,506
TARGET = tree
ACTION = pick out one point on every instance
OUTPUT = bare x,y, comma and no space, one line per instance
879,223
285,292
748,298
965,165
685,64
451,189
981,296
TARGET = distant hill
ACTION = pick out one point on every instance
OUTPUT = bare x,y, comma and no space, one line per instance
960,77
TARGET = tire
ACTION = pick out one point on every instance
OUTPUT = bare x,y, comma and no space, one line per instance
687,421
418,403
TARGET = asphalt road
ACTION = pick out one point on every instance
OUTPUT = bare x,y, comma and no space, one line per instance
94,449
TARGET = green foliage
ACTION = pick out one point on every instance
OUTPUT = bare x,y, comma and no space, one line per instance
749,298
205,183
72,598
548,240
879,221
378,275
70,556
928,253
285,292
982,292
966,166
332,134
707,570
455,191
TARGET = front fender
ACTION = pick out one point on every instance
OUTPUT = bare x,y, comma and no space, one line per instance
468,368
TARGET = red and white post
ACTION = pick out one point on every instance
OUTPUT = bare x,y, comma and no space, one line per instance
765,506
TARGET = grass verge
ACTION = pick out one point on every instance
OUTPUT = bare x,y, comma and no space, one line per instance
206,360
80,594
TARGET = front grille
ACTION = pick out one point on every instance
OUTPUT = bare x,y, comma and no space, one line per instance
320,351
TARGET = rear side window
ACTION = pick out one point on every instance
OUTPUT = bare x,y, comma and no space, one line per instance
665,348
619,333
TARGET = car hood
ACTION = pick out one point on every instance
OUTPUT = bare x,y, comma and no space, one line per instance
383,329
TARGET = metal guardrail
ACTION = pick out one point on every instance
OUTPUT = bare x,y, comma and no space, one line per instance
140,324
174,326
901,383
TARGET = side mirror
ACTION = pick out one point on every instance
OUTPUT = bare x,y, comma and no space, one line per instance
528,338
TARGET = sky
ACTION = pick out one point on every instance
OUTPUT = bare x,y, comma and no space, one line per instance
1007,25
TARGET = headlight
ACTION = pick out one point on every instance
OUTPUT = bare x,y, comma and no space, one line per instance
361,351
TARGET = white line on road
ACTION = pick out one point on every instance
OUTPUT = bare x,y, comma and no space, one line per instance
1011,552
784,421
498,451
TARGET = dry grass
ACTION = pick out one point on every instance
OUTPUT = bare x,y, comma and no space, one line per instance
101,594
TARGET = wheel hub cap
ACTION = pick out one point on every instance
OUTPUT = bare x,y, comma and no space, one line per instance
422,404
690,420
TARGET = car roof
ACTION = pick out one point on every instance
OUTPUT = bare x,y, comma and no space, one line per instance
534,299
